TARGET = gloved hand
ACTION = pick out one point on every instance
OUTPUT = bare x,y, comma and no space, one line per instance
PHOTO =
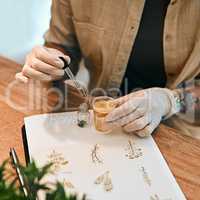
142,111
43,64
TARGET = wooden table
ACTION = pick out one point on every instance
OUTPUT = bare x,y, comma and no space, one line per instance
181,153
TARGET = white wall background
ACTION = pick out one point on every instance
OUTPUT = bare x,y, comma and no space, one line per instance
22,25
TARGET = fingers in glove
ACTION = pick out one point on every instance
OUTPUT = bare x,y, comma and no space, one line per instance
45,68
137,124
128,97
148,130
20,77
137,113
124,109
32,73
46,56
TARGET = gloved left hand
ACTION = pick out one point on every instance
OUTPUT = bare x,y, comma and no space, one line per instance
142,111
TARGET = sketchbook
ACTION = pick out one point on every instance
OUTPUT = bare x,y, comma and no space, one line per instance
115,166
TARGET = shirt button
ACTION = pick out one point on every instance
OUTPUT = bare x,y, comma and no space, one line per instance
173,2
168,37
170,74
132,27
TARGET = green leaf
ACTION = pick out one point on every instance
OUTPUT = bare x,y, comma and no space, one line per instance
32,176
59,194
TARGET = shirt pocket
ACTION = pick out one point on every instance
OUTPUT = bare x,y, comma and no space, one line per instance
90,38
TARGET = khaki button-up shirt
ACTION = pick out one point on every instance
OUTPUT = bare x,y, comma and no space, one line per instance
104,32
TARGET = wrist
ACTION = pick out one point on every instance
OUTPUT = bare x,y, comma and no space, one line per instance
169,102
175,102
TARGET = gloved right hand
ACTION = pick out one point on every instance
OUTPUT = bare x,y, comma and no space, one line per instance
43,64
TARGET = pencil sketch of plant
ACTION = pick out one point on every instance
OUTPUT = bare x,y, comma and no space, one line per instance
67,184
132,151
58,161
105,180
95,154
146,177
156,197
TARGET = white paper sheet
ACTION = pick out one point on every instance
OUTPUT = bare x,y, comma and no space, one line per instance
146,177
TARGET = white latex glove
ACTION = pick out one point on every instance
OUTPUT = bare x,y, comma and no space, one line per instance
43,64
141,112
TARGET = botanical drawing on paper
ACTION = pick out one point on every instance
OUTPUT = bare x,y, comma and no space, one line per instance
58,161
132,151
105,180
95,154
156,197
145,176
67,184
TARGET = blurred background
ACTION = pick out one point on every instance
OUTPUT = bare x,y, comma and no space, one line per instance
23,24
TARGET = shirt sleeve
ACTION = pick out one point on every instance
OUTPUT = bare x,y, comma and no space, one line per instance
61,30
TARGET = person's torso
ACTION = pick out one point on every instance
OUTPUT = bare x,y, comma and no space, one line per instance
146,67
106,31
